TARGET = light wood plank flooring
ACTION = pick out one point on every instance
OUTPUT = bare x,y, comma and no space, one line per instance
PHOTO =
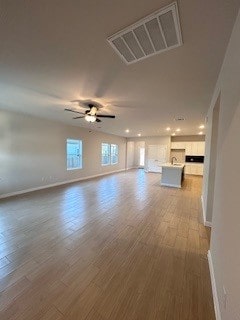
119,247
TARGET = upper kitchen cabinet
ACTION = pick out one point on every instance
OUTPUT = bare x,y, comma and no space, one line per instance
201,148
196,148
178,145
192,148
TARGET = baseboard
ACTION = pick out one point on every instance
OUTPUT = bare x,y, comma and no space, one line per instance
170,185
214,288
11,194
208,224
205,222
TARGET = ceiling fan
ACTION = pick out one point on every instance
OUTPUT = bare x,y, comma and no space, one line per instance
90,115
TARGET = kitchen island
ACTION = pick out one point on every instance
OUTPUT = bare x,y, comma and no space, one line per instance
172,175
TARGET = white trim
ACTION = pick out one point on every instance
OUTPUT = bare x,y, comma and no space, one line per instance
208,224
205,222
6,195
171,185
214,288
78,168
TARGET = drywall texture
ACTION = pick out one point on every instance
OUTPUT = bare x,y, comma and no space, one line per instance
33,152
225,238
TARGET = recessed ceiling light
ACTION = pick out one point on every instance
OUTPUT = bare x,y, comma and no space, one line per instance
200,132
173,134
139,134
178,130
201,126
127,130
168,129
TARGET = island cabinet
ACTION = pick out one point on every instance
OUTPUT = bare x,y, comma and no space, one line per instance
172,175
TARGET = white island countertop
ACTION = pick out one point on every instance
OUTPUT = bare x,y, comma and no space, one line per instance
172,175
175,165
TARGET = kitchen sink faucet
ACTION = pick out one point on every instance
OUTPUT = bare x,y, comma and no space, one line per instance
173,159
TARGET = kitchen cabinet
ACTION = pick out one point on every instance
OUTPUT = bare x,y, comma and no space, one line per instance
201,148
194,169
188,148
191,148
195,148
178,145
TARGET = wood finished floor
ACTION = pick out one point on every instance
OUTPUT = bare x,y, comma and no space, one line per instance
119,247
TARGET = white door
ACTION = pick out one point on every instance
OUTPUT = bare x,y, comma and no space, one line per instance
157,155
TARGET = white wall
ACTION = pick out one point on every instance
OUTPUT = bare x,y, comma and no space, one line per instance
33,152
225,239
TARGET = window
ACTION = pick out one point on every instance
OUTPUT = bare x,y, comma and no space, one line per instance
74,154
109,154
105,154
114,153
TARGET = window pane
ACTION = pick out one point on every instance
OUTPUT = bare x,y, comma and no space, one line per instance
114,153
105,153
74,154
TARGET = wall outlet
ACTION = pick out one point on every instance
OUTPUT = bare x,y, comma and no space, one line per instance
224,298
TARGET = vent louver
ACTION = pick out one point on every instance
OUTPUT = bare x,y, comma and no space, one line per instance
151,35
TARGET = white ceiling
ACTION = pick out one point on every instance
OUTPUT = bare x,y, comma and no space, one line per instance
55,51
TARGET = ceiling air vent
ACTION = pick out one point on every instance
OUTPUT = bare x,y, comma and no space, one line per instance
151,35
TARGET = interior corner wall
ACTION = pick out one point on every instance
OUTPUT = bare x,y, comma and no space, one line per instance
210,160
225,236
130,155
33,152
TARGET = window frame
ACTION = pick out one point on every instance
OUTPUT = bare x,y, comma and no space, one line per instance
80,155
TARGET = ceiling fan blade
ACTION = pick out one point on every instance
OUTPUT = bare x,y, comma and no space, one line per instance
70,110
81,117
105,116
98,120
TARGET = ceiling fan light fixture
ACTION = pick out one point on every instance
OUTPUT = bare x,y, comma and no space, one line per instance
90,118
